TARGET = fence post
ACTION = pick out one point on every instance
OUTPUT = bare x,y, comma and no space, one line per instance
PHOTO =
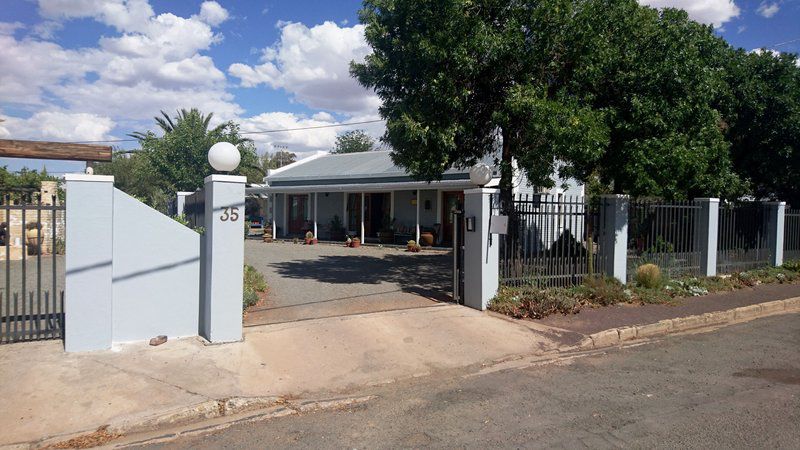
707,235
88,265
222,259
481,250
614,238
775,227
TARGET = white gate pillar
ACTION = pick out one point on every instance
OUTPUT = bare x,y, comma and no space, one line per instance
481,250
89,262
614,241
707,235
776,223
223,259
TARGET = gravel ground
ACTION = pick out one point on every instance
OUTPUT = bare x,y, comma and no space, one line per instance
738,387
15,270
326,280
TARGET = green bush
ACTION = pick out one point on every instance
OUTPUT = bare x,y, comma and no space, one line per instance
253,284
532,303
604,291
648,276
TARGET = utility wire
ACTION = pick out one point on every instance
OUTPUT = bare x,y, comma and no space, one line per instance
283,130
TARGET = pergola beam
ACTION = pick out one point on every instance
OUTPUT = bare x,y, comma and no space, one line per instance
10,148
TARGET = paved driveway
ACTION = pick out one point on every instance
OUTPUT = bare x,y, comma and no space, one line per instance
315,281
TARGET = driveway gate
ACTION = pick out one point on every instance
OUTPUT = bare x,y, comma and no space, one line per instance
32,253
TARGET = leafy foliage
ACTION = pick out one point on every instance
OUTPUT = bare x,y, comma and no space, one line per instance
354,141
179,158
762,119
254,284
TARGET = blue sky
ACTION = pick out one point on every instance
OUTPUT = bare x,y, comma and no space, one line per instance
78,70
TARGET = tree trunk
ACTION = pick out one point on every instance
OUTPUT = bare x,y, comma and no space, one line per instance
506,177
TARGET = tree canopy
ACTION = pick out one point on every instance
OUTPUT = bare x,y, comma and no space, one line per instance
637,99
177,160
354,141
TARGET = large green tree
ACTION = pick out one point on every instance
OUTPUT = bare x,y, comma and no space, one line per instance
587,88
762,122
354,141
460,79
656,76
179,157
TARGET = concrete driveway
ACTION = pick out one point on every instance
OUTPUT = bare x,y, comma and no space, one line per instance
328,280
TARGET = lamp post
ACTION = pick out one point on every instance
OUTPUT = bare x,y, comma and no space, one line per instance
224,157
480,174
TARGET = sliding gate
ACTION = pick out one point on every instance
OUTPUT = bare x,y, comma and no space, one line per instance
32,248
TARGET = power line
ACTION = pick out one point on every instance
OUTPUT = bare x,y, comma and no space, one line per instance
283,130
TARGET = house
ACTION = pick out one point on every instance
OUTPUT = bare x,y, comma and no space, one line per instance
368,196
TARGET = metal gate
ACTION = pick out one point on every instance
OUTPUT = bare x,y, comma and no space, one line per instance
32,249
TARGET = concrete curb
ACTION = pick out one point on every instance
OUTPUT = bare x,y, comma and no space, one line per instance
268,407
617,336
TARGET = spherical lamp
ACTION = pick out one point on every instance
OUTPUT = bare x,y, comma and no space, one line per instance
224,157
480,174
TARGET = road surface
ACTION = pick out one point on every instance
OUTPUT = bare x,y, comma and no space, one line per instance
733,388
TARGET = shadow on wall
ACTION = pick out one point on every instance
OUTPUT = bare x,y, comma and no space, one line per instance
427,275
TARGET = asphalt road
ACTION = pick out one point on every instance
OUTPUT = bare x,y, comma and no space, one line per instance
733,388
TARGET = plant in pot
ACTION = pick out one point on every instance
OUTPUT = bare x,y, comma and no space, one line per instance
356,242
337,229
310,239
411,245
33,236
386,234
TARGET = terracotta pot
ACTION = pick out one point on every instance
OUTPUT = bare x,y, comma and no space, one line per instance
409,248
309,241
355,244
426,238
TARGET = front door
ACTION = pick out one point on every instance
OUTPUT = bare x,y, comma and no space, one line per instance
451,201
297,213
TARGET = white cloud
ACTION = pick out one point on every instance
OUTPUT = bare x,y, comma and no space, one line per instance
213,13
7,28
713,12
58,125
768,9
312,64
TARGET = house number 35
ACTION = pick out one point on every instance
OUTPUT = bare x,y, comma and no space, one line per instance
231,214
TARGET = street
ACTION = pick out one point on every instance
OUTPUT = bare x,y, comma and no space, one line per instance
732,388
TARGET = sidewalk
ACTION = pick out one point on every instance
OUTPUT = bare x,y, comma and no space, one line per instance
47,392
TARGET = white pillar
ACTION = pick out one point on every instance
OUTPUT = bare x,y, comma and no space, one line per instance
777,217
316,200
707,235
272,202
88,265
362,217
481,250
418,200
614,242
223,259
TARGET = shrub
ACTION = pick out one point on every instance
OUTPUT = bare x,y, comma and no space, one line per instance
604,291
253,284
648,276
533,303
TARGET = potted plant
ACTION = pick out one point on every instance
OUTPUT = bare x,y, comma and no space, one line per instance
355,243
33,236
310,239
410,245
337,229
348,242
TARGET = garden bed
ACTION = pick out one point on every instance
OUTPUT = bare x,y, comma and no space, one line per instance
532,303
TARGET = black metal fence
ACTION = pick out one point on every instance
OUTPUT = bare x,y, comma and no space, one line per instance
664,233
791,235
743,241
552,240
32,250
